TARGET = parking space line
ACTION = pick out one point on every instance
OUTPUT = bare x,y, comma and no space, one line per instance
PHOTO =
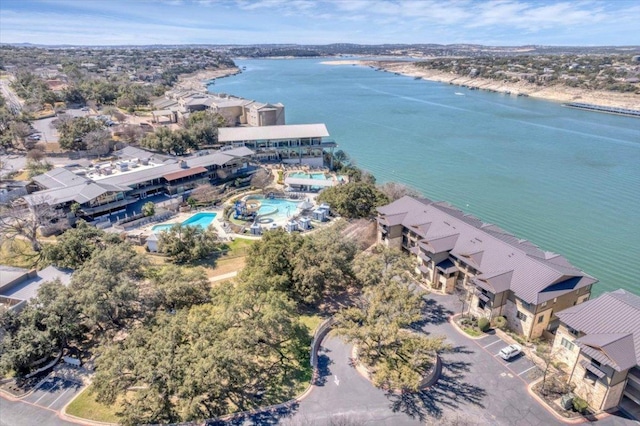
492,343
61,395
47,391
528,369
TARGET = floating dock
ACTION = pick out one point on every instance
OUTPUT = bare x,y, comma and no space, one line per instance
609,110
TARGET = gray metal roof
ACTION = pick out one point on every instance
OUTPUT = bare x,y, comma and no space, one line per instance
28,288
283,132
59,178
536,276
81,193
10,273
611,324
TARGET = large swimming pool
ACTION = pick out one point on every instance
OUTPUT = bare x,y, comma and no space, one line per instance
203,220
275,208
303,175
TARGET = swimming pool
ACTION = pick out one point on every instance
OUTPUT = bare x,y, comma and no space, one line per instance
203,220
275,208
303,175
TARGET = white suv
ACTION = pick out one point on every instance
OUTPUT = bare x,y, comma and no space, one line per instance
510,351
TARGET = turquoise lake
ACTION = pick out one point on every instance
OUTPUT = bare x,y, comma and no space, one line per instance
565,179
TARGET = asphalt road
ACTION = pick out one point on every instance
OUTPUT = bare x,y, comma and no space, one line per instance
21,413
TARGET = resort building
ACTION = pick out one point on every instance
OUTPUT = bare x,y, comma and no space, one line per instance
103,188
289,144
598,343
178,104
18,285
500,274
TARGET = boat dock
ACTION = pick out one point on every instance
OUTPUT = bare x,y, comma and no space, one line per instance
609,110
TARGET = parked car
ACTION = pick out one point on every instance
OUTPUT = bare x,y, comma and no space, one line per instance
510,351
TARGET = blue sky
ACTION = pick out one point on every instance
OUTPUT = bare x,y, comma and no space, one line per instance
499,22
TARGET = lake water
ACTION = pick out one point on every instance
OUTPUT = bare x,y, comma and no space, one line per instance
565,179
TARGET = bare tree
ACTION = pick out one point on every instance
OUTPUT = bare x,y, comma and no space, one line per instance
98,141
395,190
205,193
25,222
262,178
36,153
19,132
131,134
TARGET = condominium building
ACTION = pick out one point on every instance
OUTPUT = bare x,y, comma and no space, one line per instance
500,274
598,345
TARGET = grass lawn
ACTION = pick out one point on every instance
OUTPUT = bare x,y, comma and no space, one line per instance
85,406
239,245
224,266
473,332
17,253
23,175
311,322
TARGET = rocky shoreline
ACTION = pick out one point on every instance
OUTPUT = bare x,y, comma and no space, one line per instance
198,81
555,93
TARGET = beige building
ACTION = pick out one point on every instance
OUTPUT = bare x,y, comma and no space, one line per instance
178,104
598,344
500,274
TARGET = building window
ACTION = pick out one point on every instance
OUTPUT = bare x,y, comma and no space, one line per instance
567,344
540,319
572,331
543,304
596,363
521,316
481,304
590,378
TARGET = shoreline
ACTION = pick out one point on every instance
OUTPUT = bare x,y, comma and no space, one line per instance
555,93
199,80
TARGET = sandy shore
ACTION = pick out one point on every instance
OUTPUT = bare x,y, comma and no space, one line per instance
553,93
198,80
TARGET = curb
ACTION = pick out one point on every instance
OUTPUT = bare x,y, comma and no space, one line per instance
452,321
550,409
62,413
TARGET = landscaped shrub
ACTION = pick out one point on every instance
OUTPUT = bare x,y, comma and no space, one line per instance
500,322
483,324
580,405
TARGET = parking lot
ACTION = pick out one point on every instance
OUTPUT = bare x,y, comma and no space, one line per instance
54,393
518,366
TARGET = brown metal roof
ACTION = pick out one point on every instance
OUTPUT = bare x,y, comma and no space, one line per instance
611,324
595,370
537,276
184,173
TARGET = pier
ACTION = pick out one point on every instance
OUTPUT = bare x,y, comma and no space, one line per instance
609,110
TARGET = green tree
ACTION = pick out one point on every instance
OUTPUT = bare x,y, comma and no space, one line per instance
203,127
72,132
380,327
149,209
169,142
47,325
306,269
186,244
107,287
76,245
381,264
242,350
174,287
353,200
